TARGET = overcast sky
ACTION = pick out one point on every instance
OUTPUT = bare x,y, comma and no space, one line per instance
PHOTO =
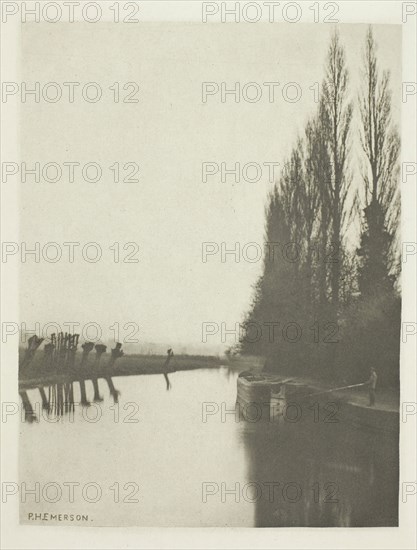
170,132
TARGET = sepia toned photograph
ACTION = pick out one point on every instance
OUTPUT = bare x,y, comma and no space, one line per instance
209,245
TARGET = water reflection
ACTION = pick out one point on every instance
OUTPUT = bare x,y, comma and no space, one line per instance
60,399
170,355
30,415
290,474
328,475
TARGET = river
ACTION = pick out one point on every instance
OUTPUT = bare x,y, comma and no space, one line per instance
182,458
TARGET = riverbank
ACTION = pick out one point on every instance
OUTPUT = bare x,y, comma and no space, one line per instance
37,374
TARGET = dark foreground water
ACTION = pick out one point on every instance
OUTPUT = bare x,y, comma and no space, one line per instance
180,457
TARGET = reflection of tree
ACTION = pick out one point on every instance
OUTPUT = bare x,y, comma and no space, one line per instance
58,399
45,400
59,357
97,397
84,401
113,392
316,458
30,415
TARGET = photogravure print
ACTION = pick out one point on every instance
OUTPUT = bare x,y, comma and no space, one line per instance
212,260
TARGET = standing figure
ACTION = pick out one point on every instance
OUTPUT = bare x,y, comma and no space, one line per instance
372,386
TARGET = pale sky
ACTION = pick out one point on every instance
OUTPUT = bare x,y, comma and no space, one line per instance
169,133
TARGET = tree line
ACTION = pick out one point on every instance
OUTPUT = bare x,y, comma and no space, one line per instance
344,296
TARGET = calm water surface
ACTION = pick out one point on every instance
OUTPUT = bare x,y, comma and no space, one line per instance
151,460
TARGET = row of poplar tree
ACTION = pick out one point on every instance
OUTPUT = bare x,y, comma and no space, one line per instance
325,308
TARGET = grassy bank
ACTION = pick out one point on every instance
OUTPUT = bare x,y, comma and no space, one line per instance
37,373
